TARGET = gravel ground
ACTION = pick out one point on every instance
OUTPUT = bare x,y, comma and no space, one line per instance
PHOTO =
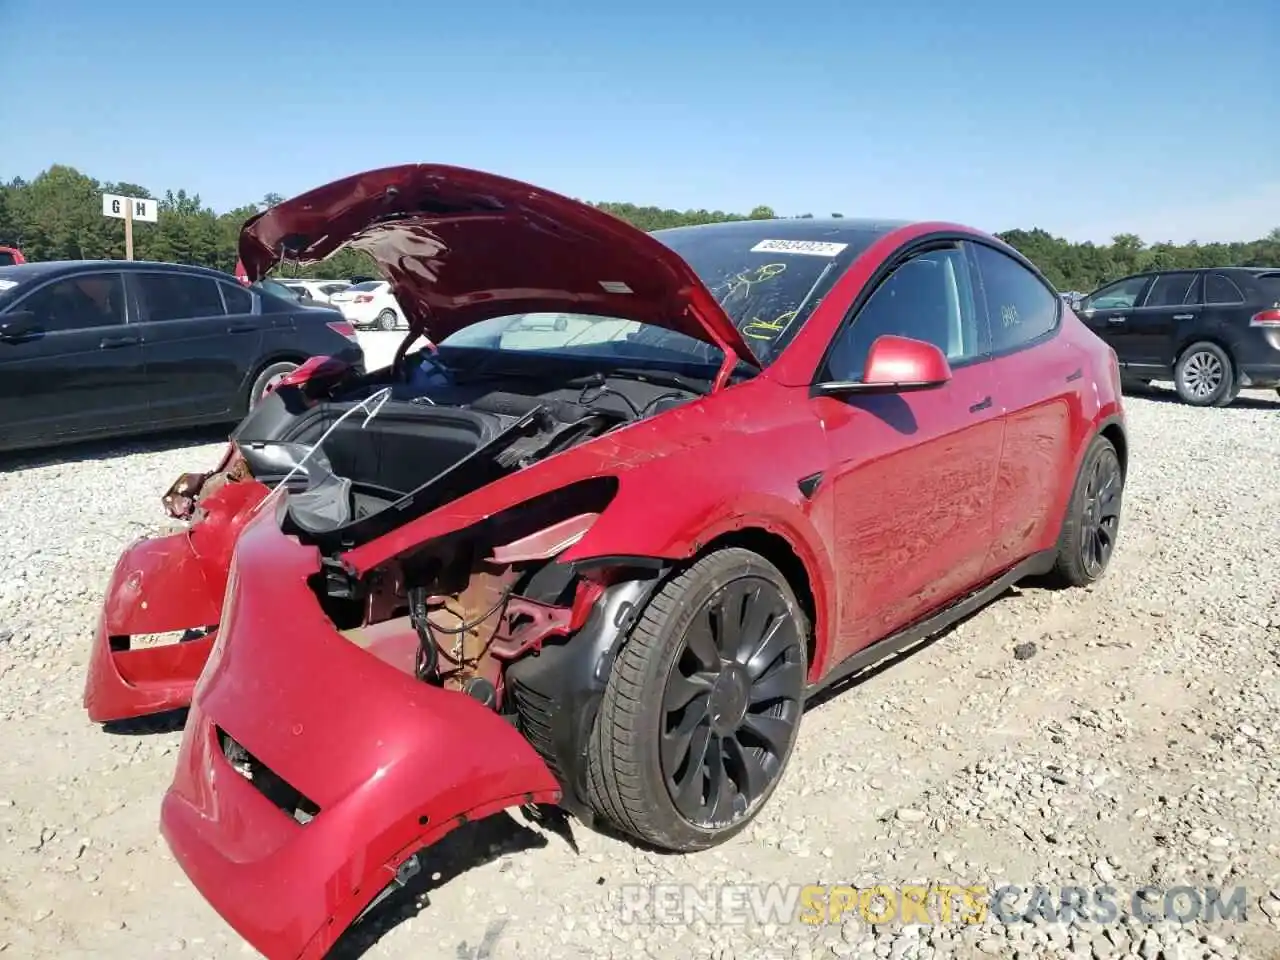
1131,739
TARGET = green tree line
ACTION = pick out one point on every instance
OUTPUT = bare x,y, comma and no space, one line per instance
57,215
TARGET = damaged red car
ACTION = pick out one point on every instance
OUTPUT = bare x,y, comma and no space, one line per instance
594,550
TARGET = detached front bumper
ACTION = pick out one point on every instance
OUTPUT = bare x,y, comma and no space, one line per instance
353,764
164,585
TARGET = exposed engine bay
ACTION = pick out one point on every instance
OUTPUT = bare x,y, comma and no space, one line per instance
362,456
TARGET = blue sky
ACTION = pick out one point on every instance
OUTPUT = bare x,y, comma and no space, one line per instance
1085,118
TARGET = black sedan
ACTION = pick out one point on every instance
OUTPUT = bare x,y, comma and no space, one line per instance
92,349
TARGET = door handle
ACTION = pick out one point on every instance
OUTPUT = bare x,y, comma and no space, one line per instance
1184,316
109,343
1116,319
980,405
240,328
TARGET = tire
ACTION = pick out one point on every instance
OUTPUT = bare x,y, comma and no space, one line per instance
386,320
1228,398
1204,375
1092,524
630,756
266,378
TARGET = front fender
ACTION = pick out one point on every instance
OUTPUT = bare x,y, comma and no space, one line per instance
637,523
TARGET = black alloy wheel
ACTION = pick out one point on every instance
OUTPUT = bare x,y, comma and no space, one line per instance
731,704
703,704
1101,520
1091,527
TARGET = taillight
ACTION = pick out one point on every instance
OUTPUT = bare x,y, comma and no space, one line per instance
344,328
1266,318
364,298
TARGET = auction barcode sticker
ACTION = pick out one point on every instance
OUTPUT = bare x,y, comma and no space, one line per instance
814,248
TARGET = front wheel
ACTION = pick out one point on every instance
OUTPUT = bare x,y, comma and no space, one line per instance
703,706
386,320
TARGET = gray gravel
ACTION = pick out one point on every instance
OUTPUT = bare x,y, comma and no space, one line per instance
1125,735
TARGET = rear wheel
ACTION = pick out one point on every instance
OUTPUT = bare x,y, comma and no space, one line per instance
703,706
269,376
386,320
1092,525
1204,375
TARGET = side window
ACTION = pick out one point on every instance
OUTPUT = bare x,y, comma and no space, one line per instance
78,303
1019,307
929,297
1120,295
236,298
1170,290
1220,289
177,296
1195,295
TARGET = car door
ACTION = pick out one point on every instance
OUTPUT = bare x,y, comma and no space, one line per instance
1038,376
912,472
77,368
1170,306
1106,311
198,355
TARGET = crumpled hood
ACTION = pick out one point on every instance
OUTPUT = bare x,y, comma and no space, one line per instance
460,246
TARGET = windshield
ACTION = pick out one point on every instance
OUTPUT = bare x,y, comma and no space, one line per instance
7,259
767,286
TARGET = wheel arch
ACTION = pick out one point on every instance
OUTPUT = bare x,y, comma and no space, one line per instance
1113,430
778,551
772,526
1205,337
255,371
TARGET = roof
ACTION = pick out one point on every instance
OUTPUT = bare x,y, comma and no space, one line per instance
23,272
829,229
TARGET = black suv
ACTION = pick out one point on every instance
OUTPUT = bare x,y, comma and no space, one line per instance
1214,331
92,349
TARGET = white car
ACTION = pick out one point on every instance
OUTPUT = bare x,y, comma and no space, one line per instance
321,291
370,304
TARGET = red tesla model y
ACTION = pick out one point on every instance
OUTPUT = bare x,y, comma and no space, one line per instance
595,548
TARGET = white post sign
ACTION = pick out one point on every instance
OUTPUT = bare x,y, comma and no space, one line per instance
129,209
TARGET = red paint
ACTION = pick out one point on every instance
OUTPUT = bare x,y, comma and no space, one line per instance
11,256
162,585
903,362
925,492
392,770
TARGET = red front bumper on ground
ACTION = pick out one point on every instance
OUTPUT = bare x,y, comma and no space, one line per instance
391,763
164,585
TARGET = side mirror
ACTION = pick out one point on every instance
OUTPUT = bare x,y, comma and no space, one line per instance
895,365
17,325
